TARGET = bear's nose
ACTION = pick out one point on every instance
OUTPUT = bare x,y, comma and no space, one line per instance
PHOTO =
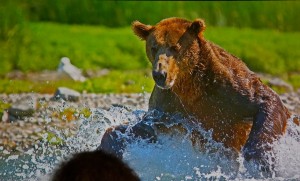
159,77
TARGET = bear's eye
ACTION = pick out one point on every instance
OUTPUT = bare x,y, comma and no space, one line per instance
173,50
154,50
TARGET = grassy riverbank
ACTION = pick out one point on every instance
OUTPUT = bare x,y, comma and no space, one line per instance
117,49
94,47
116,81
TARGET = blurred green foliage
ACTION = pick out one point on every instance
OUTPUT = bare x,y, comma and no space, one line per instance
88,47
11,20
12,34
36,46
34,35
266,51
95,47
281,15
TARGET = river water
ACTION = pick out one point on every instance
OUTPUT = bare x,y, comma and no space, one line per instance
172,157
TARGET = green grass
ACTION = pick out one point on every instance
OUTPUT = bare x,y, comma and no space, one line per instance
89,47
96,47
266,51
115,81
294,79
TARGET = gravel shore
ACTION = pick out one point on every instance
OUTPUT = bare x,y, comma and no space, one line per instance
21,134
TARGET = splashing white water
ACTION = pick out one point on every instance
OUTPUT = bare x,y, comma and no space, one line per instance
287,151
172,157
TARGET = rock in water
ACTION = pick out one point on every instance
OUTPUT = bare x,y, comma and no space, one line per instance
24,107
66,94
65,67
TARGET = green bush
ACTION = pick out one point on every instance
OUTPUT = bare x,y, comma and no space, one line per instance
11,20
281,15
12,32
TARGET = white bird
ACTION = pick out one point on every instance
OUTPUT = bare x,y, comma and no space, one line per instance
66,67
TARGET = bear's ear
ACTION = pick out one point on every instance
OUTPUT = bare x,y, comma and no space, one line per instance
198,26
141,30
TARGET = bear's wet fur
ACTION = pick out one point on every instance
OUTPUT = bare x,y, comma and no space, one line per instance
198,78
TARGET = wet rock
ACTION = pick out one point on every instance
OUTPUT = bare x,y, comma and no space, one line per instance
22,108
66,94
65,67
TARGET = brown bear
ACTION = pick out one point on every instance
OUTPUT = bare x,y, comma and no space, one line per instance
198,78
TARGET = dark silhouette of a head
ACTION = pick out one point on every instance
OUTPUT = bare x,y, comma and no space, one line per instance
92,166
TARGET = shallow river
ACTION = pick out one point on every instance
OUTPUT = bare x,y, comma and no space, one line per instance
172,157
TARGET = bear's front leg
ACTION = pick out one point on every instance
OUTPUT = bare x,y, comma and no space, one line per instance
269,124
115,140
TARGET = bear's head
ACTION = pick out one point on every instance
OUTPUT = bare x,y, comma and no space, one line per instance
172,47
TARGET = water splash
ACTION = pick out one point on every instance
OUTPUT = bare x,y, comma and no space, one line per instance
288,154
172,157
